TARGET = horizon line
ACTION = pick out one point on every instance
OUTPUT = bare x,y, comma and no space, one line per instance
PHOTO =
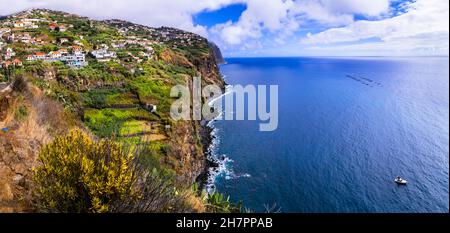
331,56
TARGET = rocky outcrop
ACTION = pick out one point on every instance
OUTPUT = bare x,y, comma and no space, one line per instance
217,53
21,140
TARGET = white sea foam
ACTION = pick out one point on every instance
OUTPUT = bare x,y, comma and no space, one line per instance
224,163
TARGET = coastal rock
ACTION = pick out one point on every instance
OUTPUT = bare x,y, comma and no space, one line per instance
217,53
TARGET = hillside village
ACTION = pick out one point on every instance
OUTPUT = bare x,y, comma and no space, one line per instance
111,78
44,37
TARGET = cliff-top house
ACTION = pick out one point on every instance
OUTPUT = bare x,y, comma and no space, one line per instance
9,53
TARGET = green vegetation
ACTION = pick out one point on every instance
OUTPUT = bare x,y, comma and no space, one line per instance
21,113
218,203
104,98
3,78
80,175
109,121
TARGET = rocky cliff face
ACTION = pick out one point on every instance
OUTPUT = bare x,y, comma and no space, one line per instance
22,137
190,139
217,53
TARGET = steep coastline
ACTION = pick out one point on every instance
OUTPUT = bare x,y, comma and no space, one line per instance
217,53
103,98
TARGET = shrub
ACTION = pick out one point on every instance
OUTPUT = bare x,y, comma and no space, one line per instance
79,174
217,203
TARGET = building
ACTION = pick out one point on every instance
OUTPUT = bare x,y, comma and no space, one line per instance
41,39
54,55
150,107
16,62
24,38
9,53
119,44
26,23
77,42
62,28
63,51
77,49
19,24
74,60
103,55
40,56
30,58
6,64
63,40
52,26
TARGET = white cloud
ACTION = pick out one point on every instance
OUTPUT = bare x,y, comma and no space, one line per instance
423,27
283,17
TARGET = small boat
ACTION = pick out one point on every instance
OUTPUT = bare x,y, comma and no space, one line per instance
399,180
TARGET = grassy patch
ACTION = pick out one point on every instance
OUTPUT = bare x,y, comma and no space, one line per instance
153,91
107,122
21,113
134,127
104,98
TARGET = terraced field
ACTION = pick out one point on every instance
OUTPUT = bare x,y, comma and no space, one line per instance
118,112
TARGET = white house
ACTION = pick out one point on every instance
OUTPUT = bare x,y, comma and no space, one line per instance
74,60
9,53
24,38
63,40
54,54
150,107
40,56
103,54
31,58
77,50
19,24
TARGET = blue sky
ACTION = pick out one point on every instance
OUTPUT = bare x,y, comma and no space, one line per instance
253,28
222,15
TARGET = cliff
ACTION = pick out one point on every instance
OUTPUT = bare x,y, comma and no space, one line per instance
217,53
107,96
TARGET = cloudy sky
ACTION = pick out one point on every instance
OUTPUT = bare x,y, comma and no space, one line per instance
283,27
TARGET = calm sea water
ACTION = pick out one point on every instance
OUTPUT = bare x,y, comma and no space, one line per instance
347,127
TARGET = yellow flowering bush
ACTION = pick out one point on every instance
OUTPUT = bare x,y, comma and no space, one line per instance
78,174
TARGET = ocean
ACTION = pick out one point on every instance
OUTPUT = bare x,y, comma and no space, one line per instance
347,127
